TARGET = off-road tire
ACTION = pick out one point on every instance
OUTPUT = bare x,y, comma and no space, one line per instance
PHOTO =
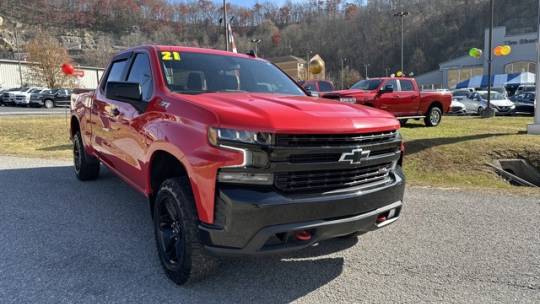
189,262
86,166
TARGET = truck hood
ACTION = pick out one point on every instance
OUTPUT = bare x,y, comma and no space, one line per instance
294,114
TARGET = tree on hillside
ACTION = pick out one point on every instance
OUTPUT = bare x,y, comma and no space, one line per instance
49,56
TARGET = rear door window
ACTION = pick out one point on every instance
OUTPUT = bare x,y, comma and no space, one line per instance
406,85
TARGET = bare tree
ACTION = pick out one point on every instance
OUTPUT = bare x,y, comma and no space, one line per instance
48,56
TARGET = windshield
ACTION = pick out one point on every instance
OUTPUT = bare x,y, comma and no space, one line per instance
196,73
368,85
494,96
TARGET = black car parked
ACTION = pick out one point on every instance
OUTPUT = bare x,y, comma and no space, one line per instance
52,98
524,102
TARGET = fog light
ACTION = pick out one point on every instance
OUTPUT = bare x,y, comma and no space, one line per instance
246,178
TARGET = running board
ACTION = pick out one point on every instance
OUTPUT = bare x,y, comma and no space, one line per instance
411,117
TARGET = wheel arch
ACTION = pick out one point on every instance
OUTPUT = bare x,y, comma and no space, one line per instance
74,126
435,103
162,165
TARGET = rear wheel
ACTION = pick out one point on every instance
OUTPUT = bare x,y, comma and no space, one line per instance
177,236
86,166
433,117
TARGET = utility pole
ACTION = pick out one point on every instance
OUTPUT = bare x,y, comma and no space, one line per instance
401,14
366,65
18,59
489,112
307,64
534,128
226,25
343,72
386,70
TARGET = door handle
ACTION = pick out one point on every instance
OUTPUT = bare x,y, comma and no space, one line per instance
112,110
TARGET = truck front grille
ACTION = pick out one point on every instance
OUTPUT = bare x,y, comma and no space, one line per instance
333,140
314,181
319,163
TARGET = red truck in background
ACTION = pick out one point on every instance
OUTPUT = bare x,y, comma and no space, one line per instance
399,96
316,87
235,158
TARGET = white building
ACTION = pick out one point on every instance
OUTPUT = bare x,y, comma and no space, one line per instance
11,74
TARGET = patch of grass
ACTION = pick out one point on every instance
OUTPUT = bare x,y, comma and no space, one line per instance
35,136
450,155
455,152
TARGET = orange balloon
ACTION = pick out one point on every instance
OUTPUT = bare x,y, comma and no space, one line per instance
497,51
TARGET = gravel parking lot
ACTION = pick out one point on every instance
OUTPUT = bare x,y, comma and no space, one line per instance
64,241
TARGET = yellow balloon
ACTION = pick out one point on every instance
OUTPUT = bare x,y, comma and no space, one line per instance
505,50
315,66
399,73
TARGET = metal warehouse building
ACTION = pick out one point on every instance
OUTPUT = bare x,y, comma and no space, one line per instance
521,59
14,74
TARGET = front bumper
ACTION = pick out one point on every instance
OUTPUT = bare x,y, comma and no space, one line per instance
252,221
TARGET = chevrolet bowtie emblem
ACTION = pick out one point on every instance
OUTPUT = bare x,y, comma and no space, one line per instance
356,156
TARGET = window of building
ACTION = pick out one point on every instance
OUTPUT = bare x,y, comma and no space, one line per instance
456,76
520,67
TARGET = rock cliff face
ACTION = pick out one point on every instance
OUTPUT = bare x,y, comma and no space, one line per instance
14,35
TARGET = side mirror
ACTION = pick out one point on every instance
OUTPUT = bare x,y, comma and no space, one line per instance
123,91
387,89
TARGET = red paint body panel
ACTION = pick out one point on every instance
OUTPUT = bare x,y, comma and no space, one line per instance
399,103
178,124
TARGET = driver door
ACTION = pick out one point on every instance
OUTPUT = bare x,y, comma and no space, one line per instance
389,101
119,136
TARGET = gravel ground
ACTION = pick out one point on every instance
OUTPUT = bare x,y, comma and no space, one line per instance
63,241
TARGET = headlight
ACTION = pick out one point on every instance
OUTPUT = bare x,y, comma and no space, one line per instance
218,137
347,99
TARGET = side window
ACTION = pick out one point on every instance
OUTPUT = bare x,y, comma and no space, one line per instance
310,87
140,72
393,83
115,73
325,86
406,85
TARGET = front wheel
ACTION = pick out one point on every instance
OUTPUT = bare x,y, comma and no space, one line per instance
49,104
433,117
177,234
86,166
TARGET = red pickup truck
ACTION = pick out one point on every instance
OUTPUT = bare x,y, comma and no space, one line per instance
399,96
233,155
